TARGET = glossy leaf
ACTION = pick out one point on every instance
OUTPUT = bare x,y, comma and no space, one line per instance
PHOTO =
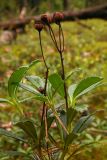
63,117
69,139
82,124
10,134
29,88
84,86
71,90
49,90
27,99
72,72
36,81
71,113
81,107
57,83
16,77
28,127
33,63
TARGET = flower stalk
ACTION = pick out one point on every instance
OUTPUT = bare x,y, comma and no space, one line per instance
39,26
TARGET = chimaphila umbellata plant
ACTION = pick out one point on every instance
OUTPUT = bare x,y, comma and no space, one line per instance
49,142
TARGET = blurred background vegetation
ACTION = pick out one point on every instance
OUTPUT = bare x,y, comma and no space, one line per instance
11,8
85,48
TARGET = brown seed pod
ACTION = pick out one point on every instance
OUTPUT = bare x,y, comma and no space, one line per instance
38,26
58,17
46,19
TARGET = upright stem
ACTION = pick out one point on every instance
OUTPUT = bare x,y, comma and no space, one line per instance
42,50
63,77
61,49
44,111
61,34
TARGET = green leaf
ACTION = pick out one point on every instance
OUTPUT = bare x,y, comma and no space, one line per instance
71,90
3,100
16,77
28,127
10,134
72,72
63,118
81,107
82,124
29,88
27,99
49,90
36,81
57,83
39,84
59,106
84,86
33,63
14,80
71,113
69,139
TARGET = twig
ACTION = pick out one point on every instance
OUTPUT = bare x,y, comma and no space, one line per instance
59,120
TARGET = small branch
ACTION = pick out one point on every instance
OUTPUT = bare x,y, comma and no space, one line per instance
59,120
99,11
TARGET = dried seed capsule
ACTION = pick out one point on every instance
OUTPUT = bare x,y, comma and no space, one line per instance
39,26
58,17
46,19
